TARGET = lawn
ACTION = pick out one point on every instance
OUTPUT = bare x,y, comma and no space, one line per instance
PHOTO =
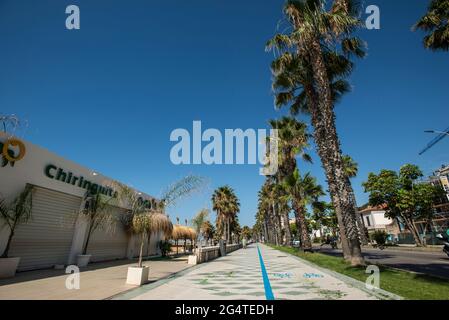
405,284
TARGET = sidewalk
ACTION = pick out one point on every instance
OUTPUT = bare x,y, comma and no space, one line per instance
241,276
97,282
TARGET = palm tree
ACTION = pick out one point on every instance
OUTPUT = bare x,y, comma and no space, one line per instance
99,215
208,230
436,23
316,85
199,220
351,169
303,191
226,204
268,199
293,140
16,213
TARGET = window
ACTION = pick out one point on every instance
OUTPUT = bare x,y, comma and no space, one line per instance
368,222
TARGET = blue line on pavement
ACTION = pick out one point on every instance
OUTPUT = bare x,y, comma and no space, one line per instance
266,282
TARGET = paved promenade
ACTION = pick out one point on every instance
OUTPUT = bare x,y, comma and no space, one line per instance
97,281
255,273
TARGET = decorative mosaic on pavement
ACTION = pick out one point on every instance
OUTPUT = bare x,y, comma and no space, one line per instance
238,277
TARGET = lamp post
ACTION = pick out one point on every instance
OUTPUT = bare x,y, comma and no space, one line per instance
441,136
437,132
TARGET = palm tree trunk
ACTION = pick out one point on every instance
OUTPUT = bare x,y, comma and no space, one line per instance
301,225
329,151
412,228
229,230
89,233
320,138
142,241
8,244
288,233
276,224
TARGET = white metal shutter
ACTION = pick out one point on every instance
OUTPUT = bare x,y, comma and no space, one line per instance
110,243
47,238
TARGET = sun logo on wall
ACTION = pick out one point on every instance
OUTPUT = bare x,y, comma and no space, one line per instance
8,155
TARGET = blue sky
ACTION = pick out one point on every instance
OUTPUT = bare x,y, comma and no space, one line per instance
139,69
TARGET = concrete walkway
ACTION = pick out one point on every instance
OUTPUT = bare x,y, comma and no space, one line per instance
240,276
98,281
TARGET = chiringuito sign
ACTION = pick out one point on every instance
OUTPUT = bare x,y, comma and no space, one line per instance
8,154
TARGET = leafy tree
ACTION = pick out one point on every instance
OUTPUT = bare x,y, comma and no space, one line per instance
436,24
403,196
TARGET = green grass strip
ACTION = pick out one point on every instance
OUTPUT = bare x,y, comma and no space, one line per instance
408,285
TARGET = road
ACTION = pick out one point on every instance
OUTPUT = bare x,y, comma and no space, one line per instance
255,273
432,263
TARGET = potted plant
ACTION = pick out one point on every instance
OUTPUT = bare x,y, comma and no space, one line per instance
14,214
98,214
144,224
145,221
138,275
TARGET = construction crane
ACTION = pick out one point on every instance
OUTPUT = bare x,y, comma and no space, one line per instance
441,136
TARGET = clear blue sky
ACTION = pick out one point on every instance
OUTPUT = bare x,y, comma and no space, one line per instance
139,69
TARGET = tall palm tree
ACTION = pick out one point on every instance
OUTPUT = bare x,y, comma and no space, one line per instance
315,29
304,191
351,169
226,204
293,140
436,23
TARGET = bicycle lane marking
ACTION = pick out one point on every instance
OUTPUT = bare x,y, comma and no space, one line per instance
266,282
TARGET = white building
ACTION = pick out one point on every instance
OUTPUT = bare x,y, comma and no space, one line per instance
56,233
374,219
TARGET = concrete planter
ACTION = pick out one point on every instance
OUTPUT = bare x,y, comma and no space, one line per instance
137,276
8,267
83,260
193,259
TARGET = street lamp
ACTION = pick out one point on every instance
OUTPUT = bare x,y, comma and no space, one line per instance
441,136
437,132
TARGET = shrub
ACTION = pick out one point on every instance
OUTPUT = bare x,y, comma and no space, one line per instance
165,247
380,236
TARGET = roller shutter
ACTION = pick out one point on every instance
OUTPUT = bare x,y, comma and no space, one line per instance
47,238
149,249
109,243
